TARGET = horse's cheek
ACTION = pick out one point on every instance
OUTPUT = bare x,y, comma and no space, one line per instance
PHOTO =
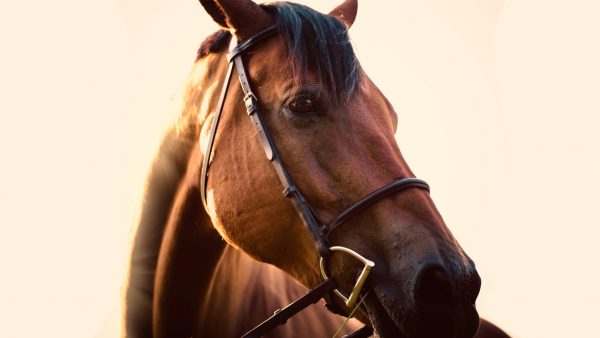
231,218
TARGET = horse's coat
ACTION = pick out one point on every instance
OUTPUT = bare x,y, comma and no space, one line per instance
185,280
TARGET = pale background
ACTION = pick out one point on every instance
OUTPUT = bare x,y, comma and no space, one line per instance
498,104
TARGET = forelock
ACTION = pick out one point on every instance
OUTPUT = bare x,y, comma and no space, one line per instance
319,43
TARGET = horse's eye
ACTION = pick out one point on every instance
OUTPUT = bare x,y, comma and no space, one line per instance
303,104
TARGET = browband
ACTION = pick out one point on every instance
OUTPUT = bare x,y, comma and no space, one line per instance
265,33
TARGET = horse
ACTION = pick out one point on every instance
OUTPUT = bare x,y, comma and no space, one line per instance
218,248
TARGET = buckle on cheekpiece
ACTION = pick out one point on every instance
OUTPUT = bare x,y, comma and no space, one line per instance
251,103
360,281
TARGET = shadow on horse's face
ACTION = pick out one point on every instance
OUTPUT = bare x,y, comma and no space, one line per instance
337,151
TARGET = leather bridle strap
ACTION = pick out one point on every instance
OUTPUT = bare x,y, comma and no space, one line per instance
389,189
290,190
281,316
215,124
212,135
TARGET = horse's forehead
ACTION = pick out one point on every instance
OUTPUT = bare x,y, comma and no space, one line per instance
270,60
271,71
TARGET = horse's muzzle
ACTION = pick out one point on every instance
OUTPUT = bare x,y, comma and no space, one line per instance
440,304
445,305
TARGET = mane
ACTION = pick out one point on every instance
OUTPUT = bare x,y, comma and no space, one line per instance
214,43
315,42
320,43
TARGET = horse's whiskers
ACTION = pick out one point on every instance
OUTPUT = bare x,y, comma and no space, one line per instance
350,315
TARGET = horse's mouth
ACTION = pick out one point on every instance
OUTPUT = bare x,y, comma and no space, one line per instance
381,321
388,324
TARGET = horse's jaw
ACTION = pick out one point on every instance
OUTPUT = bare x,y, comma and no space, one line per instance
381,321
395,323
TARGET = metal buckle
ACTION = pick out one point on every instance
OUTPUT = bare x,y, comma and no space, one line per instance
368,265
251,103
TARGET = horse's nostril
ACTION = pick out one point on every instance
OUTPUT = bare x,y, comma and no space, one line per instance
434,287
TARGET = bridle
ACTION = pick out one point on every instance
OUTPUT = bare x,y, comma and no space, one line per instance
318,229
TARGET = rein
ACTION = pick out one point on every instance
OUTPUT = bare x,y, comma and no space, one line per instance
318,229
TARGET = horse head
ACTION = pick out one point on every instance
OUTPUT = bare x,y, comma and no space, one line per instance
334,132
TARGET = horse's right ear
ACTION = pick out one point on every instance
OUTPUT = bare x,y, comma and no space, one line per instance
215,12
243,17
346,12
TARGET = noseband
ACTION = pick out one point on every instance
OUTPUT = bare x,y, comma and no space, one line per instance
318,229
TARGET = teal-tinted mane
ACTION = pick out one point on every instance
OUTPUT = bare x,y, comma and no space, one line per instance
316,42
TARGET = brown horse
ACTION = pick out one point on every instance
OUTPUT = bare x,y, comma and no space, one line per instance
203,272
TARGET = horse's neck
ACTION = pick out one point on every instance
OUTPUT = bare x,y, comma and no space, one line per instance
244,292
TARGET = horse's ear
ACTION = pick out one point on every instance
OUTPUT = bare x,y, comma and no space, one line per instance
215,12
243,17
346,12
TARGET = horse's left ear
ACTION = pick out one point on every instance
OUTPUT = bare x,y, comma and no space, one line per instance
346,12
243,18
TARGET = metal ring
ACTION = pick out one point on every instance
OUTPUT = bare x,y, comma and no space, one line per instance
360,281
